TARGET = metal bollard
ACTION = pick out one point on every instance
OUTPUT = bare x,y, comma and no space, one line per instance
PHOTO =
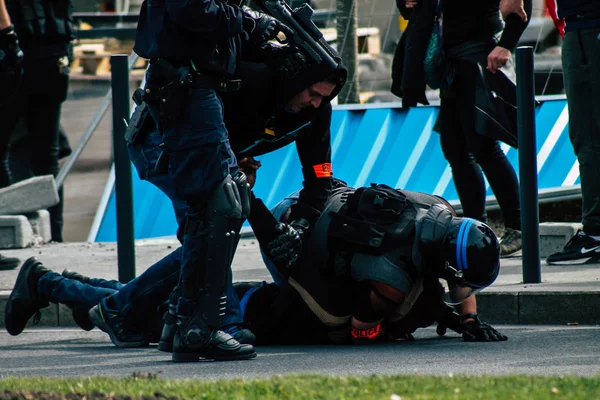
528,166
123,180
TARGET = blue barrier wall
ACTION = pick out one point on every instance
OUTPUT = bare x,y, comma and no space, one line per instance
379,144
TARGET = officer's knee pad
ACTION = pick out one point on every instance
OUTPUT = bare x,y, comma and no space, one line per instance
225,199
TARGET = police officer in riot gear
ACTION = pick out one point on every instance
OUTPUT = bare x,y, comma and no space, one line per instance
194,50
371,268
45,32
271,110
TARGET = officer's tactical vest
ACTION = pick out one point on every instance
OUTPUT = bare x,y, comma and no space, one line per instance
376,221
43,23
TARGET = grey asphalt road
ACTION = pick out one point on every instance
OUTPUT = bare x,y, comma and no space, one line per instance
538,350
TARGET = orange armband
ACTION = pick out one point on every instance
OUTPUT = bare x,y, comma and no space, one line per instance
323,170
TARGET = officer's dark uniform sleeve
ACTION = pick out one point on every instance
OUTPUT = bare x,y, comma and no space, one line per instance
514,27
314,151
206,16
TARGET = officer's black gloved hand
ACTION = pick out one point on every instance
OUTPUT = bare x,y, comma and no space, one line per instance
302,226
11,56
286,247
478,331
262,27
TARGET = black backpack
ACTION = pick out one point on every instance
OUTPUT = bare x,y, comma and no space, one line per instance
374,220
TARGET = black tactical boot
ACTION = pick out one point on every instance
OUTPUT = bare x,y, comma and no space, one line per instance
168,331
237,331
24,301
195,341
7,263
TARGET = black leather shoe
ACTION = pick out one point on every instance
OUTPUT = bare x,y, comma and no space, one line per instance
195,341
239,333
24,301
7,263
196,345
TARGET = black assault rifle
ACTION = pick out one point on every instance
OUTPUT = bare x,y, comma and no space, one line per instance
307,37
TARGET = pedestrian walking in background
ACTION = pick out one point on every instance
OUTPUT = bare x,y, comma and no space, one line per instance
581,73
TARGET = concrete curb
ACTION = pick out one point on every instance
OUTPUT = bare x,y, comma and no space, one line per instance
514,308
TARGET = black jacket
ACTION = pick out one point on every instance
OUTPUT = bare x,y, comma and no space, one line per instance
408,78
209,31
258,123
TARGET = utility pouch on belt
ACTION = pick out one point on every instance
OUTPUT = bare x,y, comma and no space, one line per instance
175,87
137,122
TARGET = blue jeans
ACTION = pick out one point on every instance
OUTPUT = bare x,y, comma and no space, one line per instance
74,294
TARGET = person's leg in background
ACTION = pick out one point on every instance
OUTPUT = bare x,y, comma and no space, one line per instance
43,125
10,112
466,173
491,159
581,66
64,147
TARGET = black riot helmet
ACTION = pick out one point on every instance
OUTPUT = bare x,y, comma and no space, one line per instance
463,251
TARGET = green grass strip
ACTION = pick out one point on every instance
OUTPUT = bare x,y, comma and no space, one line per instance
398,387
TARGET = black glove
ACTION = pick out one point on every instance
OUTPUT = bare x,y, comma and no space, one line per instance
302,226
262,27
478,331
11,56
285,248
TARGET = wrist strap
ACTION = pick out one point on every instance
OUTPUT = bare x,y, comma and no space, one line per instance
469,315
7,30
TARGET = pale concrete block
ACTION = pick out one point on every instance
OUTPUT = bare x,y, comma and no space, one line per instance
28,196
554,236
40,223
15,232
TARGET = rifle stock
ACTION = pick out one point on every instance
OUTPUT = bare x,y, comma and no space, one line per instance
307,35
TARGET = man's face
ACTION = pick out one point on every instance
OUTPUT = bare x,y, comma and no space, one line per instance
311,97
